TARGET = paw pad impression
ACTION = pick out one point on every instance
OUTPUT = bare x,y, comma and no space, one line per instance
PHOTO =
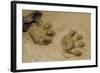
42,33
72,42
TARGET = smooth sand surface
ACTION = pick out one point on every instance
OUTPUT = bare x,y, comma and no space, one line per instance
62,23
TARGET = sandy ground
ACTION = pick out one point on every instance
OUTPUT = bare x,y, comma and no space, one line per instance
62,23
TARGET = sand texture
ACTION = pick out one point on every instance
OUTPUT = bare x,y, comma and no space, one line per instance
62,23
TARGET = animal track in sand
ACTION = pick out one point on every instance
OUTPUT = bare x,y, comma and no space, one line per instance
72,44
42,33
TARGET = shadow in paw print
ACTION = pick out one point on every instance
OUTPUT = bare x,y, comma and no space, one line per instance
72,43
33,17
42,34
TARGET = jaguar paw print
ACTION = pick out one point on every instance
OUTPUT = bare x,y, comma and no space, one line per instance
73,44
42,33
